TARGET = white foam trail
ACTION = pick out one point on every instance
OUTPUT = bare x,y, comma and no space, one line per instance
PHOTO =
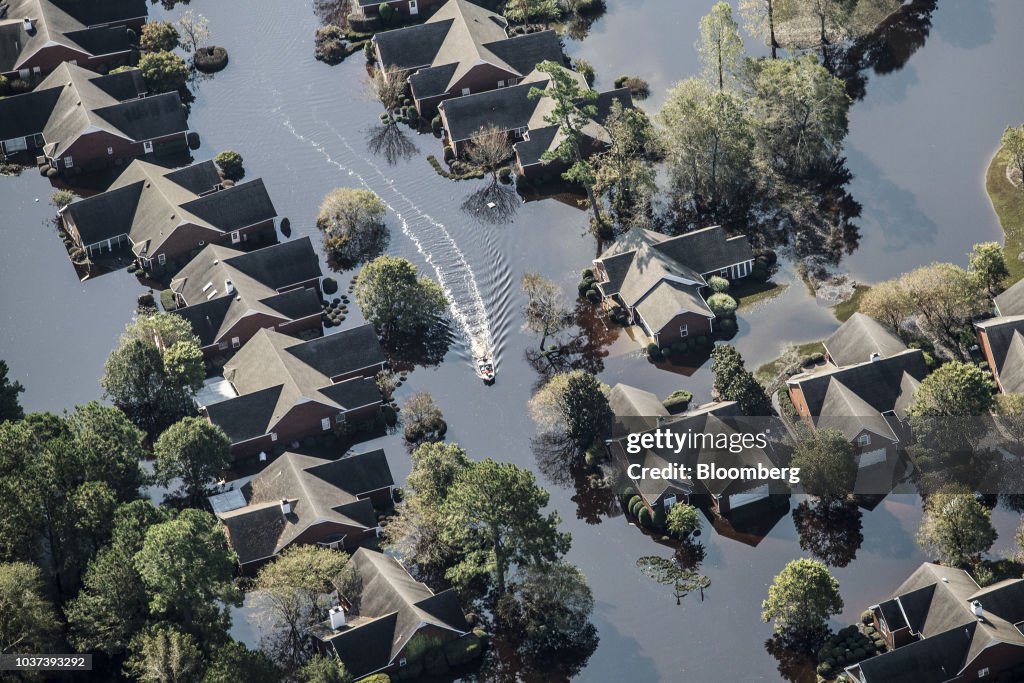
435,244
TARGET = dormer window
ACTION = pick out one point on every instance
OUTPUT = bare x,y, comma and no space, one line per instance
864,440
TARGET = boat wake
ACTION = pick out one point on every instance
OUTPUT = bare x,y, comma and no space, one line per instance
431,239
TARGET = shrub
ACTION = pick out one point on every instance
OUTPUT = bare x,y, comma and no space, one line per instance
505,175
594,295
653,350
449,155
760,272
286,227
718,284
387,13
159,36
193,141
163,71
435,124
645,518
167,300
727,327
678,400
586,69
230,164
210,59
19,85
817,357
4,85
638,87
824,669
364,24
367,49
78,255
330,285
61,198
329,44
722,305
460,651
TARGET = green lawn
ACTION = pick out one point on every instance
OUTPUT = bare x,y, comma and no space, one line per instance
767,372
1008,203
844,310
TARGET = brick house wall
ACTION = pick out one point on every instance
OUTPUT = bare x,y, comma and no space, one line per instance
696,325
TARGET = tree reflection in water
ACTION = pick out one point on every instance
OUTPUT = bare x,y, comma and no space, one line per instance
795,663
832,533
561,463
427,348
493,203
391,142
508,662
585,349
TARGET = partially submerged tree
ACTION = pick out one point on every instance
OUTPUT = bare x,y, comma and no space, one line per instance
733,382
572,406
828,465
800,601
550,609
422,419
397,300
231,164
546,312
163,71
159,36
489,149
988,264
352,223
194,30
624,172
668,572
388,86
720,45
957,528
759,20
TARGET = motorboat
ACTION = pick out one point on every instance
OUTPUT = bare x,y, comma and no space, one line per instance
485,371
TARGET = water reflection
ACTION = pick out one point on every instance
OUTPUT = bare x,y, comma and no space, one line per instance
832,533
492,203
391,142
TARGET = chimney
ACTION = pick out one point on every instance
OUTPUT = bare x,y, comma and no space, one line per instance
286,507
337,616
874,357
976,608
229,287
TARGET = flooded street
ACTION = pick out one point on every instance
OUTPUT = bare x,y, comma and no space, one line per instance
919,145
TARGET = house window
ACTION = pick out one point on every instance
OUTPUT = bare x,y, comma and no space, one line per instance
983,672
465,91
161,259
147,146
69,162
110,150
513,81
403,661
669,502
273,436
325,424
37,70
222,345
501,84
864,440
724,272
236,237
683,331
526,135
235,342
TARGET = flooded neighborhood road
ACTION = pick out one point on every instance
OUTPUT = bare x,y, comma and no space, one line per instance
919,145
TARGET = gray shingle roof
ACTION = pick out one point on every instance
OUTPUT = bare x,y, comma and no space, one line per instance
507,108
937,603
319,490
1006,342
342,352
398,606
858,338
1011,302
248,415
235,207
668,299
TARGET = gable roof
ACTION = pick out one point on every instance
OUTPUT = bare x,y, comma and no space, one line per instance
74,24
1006,342
88,102
641,258
936,602
319,490
847,412
273,372
1011,302
149,203
396,606
666,300
879,384
458,37
860,337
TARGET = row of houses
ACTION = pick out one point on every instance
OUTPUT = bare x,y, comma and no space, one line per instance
463,65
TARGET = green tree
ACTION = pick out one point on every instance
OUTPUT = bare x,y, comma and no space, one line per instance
526,11
585,407
801,599
231,164
163,71
887,302
624,171
235,662
670,573
352,223
187,569
295,590
550,609
682,520
493,517
956,528
572,109
954,390
109,448
136,381
1009,409
162,330
10,408
159,36
112,605
422,419
396,300
27,619
1013,145
435,467
194,451
545,311
720,46
989,266
800,115
183,363
833,19
163,654
733,382
828,465
323,669
709,145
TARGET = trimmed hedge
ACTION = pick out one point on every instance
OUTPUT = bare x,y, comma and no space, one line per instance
330,285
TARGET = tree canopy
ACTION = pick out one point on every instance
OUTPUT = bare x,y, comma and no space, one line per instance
828,465
957,528
733,382
194,451
398,301
720,45
163,71
352,223
10,408
801,599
